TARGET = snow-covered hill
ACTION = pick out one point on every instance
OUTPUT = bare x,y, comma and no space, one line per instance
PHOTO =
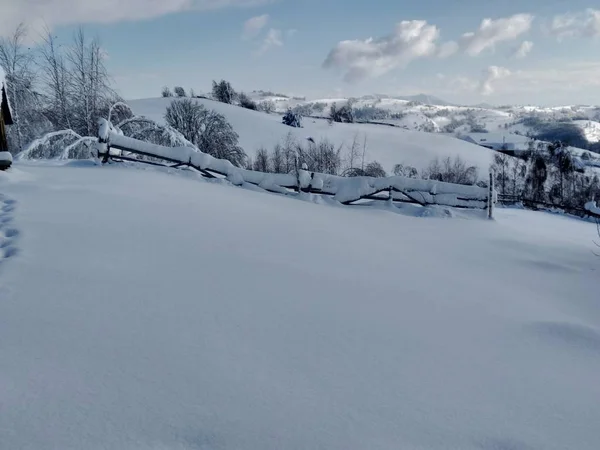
388,145
427,113
148,310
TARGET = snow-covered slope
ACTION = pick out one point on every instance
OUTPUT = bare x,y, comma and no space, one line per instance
388,145
147,310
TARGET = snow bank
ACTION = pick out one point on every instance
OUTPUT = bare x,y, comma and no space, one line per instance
344,190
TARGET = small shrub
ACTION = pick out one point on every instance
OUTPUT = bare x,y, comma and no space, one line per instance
179,91
292,119
247,102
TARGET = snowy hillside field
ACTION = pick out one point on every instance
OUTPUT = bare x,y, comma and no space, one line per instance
148,309
388,145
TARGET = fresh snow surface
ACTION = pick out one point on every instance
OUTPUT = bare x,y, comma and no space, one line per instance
386,144
146,309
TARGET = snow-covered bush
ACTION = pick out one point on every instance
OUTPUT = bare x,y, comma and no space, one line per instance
206,129
266,106
449,170
405,171
179,91
372,169
292,119
223,92
343,114
166,92
247,102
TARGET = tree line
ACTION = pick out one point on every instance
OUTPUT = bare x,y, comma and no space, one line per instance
55,86
546,173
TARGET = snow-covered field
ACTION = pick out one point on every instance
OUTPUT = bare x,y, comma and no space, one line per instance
148,310
388,145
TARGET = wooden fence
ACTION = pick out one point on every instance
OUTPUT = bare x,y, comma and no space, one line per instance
347,190
508,199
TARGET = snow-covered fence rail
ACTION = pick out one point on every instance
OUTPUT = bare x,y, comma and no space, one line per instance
346,190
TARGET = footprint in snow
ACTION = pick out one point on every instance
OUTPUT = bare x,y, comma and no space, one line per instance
8,234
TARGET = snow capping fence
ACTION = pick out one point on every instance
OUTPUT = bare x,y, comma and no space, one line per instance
346,190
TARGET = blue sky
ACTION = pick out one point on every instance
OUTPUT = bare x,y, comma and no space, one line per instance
320,48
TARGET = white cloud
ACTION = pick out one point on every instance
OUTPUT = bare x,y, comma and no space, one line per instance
492,32
253,26
447,49
39,13
490,76
582,24
361,59
523,50
274,38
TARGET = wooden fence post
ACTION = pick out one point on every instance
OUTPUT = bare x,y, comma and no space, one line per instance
490,205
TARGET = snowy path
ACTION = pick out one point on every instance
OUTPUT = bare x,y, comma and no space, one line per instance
141,310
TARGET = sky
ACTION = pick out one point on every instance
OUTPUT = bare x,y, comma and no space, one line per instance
542,52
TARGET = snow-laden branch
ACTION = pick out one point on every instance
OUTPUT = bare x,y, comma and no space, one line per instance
81,141
45,141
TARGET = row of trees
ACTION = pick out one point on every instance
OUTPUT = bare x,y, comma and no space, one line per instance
548,174
55,86
223,91
350,160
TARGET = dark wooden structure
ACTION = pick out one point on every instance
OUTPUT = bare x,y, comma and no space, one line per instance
5,120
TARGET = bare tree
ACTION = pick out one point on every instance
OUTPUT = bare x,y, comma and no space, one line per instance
88,83
500,165
17,61
353,153
56,77
262,163
166,92
278,159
